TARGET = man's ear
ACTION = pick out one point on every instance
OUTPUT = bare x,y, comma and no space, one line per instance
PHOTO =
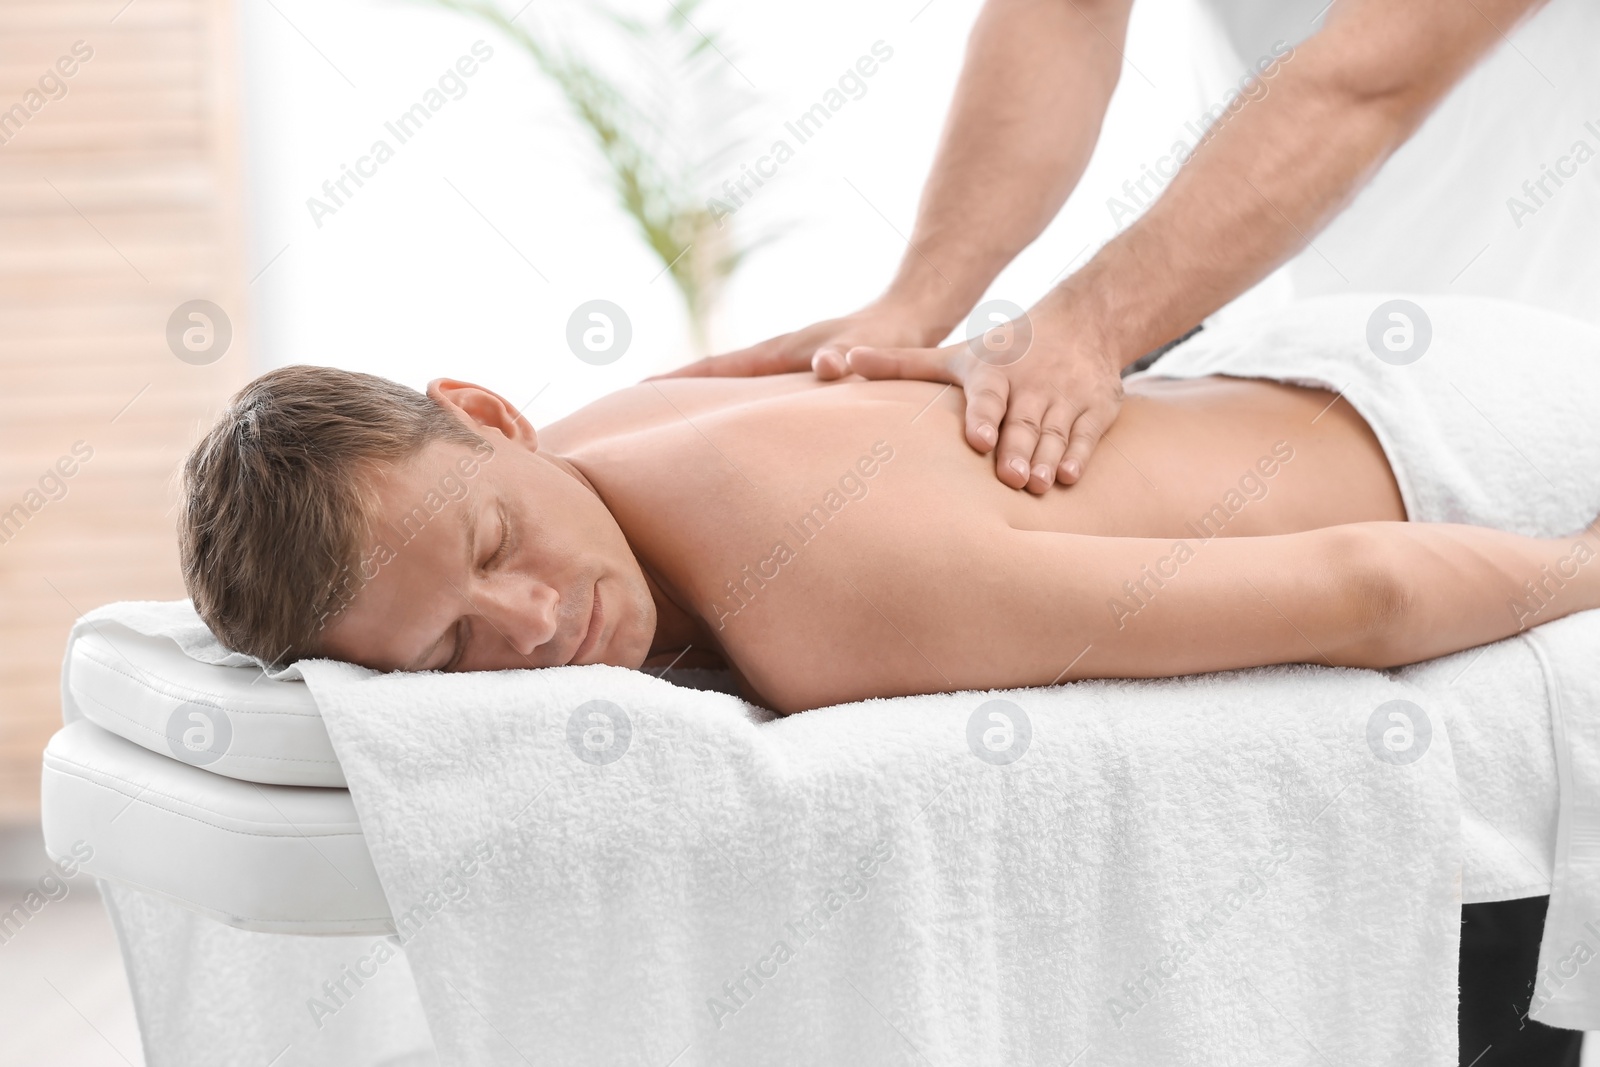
483,409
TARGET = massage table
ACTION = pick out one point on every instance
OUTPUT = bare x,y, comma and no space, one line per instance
214,792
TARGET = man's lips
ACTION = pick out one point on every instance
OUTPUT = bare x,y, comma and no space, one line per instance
597,619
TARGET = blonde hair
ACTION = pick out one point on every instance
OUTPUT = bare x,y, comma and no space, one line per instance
277,501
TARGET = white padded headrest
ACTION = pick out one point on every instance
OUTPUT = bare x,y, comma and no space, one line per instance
273,858
229,720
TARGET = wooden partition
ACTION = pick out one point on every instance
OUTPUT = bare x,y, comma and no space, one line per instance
120,200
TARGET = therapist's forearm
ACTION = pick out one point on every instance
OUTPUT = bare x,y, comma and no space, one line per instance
1276,173
1247,201
1024,121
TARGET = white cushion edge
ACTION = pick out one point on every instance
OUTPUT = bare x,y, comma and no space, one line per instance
101,790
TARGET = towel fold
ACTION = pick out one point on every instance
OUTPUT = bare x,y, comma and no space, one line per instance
1567,989
1141,872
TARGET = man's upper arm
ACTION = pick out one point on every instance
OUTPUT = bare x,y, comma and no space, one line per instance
1064,606
980,605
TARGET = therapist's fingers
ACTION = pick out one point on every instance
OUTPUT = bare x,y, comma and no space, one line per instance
987,388
923,364
1019,436
1087,429
1052,446
988,392
829,363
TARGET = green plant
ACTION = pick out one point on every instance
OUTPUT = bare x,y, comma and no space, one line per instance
655,125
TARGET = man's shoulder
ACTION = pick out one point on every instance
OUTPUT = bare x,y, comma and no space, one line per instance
656,402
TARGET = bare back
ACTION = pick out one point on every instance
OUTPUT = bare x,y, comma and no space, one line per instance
790,513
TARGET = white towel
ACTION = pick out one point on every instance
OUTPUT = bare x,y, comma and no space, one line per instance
1171,870
1493,421
1487,411
210,995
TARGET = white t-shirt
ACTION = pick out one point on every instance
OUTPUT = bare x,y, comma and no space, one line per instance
1497,194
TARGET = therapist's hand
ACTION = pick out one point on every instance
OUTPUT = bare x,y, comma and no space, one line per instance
821,346
1041,405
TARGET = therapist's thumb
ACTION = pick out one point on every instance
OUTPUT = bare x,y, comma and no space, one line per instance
923,364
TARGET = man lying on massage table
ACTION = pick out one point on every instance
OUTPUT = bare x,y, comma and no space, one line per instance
828,541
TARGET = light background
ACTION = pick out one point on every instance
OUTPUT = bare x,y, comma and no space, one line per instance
411,281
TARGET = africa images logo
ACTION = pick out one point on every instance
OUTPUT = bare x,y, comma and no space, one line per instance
199,733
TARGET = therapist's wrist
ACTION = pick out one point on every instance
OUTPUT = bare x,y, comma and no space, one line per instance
1083,315
927,319
1117,321
937,301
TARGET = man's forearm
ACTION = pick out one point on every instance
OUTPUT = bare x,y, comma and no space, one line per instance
1260,189
1024,121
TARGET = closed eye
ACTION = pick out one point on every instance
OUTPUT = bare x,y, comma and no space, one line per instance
463,628
505,542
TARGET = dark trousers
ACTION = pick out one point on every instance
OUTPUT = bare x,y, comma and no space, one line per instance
1499,961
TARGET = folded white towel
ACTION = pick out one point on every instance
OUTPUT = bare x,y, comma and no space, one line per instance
1488,417
212,995
1168,869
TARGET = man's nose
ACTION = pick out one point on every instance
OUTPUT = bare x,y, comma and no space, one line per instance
525,613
